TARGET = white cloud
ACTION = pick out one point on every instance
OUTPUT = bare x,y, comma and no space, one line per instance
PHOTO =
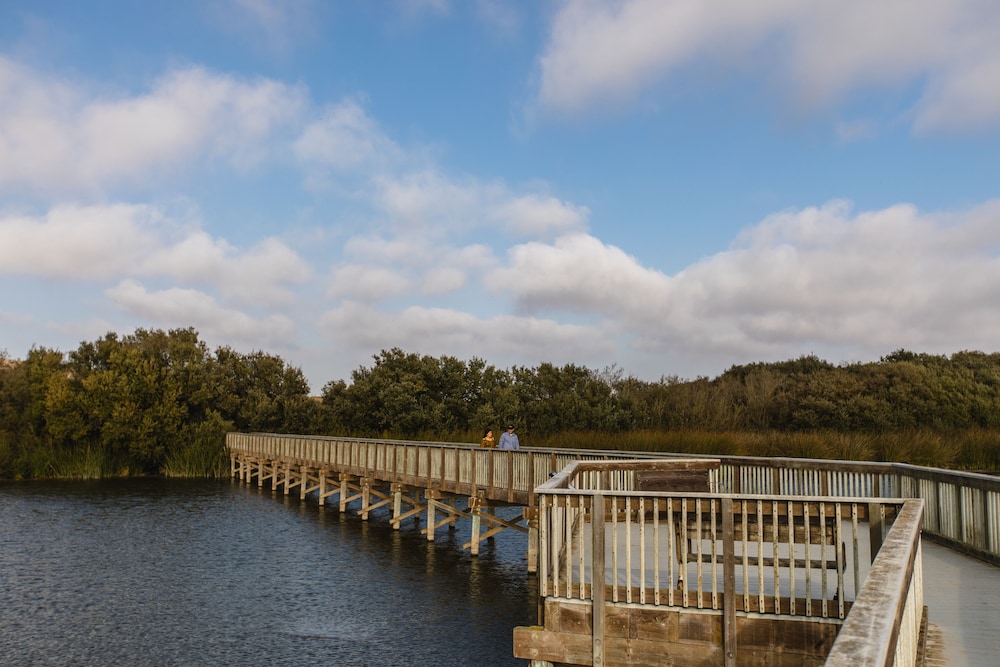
78,242
100,243
371,283
347,150
57,136
820,277
378,268
540,215
177,307
428,198
260,275
578,273
443,279
965,97
346,138
605,52
438,331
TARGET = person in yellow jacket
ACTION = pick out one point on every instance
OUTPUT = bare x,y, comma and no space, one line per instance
488,439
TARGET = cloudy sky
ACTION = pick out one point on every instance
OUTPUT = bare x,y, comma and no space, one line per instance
671,186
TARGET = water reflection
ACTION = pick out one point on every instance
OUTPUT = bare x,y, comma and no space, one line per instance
157,572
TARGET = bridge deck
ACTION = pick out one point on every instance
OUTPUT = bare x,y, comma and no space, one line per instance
962,595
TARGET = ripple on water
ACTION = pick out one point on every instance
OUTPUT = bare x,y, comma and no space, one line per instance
166,572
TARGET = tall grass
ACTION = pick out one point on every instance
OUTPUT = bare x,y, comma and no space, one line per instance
86,462
974,449
204,460
202,452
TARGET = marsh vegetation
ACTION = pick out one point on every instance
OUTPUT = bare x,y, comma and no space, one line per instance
160,403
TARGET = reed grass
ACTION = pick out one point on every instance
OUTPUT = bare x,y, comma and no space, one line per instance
205,460
973,449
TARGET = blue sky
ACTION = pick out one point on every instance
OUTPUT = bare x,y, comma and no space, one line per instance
669,186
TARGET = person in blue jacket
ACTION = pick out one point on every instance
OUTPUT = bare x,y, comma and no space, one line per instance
509,440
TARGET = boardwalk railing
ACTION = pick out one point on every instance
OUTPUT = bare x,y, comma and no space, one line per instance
962,510
779,573
776,575
794,555
883,628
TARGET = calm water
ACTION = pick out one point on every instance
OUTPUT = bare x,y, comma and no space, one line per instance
162,572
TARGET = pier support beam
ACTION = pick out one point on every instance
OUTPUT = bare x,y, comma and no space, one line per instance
431,495
474,504
399,492
345,489
530,515
397,503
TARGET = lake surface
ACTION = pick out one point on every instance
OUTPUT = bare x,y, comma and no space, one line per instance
168,572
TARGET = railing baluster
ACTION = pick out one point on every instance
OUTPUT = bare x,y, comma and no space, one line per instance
791,558
642,551
614,548
656,551
807,540
628,549
698,551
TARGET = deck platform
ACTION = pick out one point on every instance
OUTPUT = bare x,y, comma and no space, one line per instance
962,595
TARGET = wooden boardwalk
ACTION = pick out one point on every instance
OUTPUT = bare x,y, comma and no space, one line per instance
962,595
961,510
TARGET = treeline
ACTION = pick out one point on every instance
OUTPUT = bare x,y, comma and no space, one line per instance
159,402
148,403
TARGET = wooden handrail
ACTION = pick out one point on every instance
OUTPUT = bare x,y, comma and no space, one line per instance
885,619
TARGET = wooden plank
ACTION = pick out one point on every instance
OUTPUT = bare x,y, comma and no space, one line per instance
729,584
680,481
617,465
534,643
597,580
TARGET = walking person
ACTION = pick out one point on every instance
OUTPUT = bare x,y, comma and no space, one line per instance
509,439
488,441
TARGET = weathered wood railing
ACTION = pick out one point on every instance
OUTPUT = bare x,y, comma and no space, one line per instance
779,573
962,510
808,555
883,628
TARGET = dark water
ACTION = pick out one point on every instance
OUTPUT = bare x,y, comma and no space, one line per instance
164,572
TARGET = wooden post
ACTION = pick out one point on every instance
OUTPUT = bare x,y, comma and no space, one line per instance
729,582
397,503
430,494
597,577
322,487
344,490
366,497
875,528
531,517
474,507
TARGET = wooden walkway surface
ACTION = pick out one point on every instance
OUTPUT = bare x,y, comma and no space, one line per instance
962,595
